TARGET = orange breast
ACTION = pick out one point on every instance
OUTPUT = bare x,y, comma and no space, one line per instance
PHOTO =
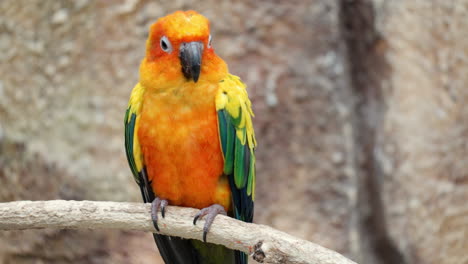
181,150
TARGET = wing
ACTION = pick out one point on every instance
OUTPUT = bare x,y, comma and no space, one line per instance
132,144
173,249
238,142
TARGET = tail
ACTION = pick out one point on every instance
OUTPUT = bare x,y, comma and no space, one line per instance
175,250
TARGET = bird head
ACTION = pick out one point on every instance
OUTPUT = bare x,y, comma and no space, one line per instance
179,50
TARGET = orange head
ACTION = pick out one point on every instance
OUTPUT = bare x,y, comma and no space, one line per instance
178,50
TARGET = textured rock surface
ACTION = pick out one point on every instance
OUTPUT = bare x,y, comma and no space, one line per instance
423,145
360,118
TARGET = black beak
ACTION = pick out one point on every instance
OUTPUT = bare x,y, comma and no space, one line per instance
190,55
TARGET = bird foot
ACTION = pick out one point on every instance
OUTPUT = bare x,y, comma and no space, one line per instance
210,212
155,205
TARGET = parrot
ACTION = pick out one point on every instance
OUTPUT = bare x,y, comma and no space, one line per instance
189,137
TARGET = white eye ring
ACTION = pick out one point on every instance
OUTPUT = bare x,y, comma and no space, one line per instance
165,44
209,42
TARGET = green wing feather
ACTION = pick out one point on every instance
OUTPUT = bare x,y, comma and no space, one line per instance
237,139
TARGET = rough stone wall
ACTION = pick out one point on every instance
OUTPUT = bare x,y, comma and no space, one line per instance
359,105
423,142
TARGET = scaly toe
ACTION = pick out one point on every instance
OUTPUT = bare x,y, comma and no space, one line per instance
155,205
210,212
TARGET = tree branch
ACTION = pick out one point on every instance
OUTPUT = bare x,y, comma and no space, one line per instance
264,243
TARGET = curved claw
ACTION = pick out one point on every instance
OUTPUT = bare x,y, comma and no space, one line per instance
155,205
195,219
163,208
210,212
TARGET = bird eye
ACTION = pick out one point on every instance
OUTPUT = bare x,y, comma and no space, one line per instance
209,42
166,44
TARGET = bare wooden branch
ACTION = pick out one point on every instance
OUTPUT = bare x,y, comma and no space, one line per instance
264,243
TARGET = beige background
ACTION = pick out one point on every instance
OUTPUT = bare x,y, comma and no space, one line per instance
360,106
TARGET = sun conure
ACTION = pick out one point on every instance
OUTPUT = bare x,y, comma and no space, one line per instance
189,137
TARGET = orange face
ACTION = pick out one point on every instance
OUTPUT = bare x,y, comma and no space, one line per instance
179,50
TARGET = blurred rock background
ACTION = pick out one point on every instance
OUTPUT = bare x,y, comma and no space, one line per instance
361,119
